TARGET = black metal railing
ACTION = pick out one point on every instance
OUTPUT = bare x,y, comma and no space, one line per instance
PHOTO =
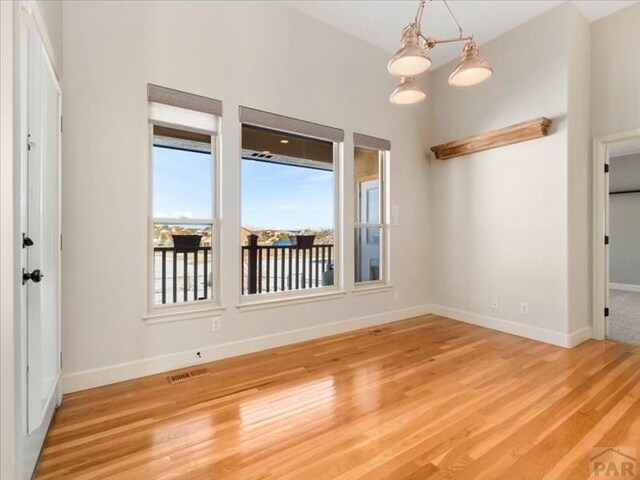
275,268
182,275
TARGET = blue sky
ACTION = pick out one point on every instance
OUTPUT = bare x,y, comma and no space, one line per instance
273,196
286,197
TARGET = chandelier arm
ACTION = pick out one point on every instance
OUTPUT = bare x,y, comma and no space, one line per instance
432,42
418,19
453,17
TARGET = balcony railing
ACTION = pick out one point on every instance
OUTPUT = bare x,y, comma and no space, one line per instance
276,268
182,275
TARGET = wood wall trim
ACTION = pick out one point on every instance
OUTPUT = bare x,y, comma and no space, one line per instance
519,132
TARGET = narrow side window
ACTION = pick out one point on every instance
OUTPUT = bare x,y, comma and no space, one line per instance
183,212
371,233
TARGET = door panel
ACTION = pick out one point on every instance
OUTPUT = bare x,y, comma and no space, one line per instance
43,228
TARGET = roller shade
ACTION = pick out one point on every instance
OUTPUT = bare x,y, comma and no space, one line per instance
258,118
373,143
188,101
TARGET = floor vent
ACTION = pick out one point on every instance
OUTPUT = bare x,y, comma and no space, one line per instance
186,376
377,331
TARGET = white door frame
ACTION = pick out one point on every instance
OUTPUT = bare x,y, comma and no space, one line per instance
600,227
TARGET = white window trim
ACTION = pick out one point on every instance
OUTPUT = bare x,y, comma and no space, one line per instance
193,309
366,288
375,286
273,301
265,300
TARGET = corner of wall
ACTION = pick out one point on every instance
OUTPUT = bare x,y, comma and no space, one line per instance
579,172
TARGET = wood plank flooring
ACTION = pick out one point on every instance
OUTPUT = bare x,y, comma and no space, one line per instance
425,398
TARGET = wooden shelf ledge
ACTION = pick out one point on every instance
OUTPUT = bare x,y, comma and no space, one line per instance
519,132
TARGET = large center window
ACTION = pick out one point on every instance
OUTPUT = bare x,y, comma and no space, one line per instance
288,212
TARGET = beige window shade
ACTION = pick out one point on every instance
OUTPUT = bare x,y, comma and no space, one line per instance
188,101
258,118
373,143
181,118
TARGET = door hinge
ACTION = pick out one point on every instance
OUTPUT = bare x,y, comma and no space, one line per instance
60,360
60,242
30,143
61,123
606,311
606,168
606,239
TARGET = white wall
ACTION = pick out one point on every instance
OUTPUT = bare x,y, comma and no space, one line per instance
624,221
579,173
615,72
261,55
50,11
501,223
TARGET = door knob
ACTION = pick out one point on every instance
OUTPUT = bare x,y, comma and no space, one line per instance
35,276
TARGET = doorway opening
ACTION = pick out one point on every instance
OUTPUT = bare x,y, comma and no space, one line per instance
617,238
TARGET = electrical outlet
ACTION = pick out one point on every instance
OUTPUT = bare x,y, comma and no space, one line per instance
396,296
215,324
494,303
524,308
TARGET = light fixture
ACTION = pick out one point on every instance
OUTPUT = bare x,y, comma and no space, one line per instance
265,152
284,141
412,60
408,92
472,70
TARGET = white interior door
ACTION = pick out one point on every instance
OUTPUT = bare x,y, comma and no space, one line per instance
41,245
607,248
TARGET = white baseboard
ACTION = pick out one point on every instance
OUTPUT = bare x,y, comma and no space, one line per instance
625,287
528,331
579,336
149,366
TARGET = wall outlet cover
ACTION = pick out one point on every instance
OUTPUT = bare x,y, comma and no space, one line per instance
216,324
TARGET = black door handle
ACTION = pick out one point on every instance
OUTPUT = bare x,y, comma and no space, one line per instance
26,241
35,276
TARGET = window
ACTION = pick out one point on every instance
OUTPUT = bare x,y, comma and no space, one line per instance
183,220
370,228
288,205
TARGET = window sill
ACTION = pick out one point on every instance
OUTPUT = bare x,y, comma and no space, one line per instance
371,289
182,314
281,301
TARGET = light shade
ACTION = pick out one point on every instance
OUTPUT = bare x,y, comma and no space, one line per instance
407,92
411,59
472,69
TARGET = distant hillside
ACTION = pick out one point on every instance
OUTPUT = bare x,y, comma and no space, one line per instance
270,237
162,235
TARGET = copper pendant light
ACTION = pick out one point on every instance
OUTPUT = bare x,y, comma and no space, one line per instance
412,60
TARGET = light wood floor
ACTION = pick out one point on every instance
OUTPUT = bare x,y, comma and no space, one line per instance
426,398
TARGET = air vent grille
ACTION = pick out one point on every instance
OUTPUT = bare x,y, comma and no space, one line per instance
261,155
181,377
